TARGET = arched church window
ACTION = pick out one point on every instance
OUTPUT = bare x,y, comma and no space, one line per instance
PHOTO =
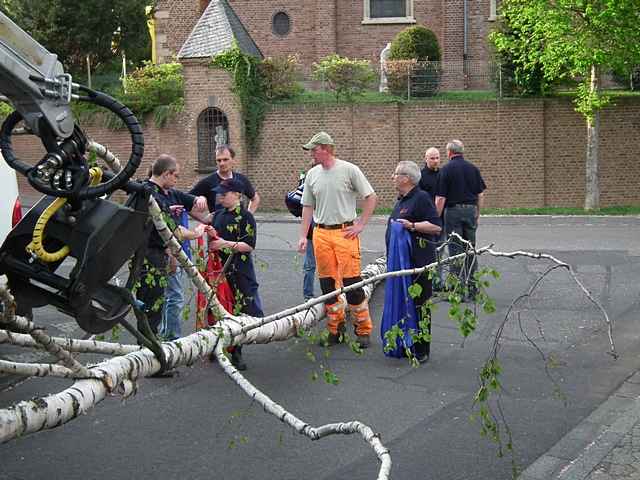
213,130
281,24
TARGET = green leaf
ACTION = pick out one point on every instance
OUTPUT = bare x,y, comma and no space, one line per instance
415,290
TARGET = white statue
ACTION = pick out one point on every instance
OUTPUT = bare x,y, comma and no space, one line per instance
384,56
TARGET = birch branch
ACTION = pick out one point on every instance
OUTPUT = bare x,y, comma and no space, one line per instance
42,370
108,156
69,344
22,324
303,428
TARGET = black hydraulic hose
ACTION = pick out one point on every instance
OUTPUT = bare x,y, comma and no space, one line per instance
88,191
5,143
137,144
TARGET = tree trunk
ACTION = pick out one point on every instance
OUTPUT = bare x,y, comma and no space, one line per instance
592,187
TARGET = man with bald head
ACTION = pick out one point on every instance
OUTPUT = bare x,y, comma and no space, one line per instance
429,183
429,174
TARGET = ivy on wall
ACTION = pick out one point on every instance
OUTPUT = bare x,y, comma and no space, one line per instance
249,86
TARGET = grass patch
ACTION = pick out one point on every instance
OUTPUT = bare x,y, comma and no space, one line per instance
616,210
613,94
461,96
325,97
318,97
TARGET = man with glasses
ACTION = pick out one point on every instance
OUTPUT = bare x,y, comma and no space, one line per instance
225,161
330,192
409,241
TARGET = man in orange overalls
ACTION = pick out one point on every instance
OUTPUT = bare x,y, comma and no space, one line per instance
331,189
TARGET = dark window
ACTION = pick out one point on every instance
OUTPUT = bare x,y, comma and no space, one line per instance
388,8
281,24
213,130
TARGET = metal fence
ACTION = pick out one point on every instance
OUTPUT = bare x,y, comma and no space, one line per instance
410,79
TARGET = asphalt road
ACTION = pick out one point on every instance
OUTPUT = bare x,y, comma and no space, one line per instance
200,425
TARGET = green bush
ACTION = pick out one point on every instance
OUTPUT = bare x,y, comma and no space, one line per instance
416,42
154,86
280,77
347,78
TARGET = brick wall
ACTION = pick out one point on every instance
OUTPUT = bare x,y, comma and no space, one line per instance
257,18
531,153
358,40
174,20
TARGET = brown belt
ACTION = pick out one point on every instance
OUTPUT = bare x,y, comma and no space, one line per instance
334,227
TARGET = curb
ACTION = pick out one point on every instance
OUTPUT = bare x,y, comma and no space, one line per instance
576,455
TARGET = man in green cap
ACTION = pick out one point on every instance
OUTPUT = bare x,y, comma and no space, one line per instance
330,192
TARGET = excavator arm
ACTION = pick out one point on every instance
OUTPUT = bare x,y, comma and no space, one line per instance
70,246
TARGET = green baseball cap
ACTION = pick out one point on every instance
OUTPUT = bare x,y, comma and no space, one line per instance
320,138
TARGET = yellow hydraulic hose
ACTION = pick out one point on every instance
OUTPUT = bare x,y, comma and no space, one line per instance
35,246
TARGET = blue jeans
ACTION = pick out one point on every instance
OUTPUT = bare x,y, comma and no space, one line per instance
309,269
172,307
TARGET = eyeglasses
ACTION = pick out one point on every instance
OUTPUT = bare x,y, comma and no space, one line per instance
396,174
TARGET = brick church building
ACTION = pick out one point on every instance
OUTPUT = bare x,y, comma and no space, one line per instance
313,29
194,30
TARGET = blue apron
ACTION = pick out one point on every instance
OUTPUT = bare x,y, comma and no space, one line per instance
399,308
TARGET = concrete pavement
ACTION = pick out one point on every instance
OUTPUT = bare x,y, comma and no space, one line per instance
598,447
606,444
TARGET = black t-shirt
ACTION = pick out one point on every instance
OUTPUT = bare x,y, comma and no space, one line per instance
205,188
165,200
460,182
417,206
429,181
237,225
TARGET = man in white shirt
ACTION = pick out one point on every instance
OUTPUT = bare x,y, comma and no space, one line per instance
331,189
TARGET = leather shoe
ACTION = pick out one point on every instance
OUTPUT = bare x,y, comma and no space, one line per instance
236,359
422,358
364,341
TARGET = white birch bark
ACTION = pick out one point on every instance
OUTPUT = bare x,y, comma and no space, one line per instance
69,344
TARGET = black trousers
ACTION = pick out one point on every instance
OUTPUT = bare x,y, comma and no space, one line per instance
422,348
153,280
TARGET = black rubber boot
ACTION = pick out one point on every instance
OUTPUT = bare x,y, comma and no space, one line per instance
236,359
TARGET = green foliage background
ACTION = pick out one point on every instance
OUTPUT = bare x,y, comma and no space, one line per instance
101,29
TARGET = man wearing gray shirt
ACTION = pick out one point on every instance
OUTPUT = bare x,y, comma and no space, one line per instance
331,189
